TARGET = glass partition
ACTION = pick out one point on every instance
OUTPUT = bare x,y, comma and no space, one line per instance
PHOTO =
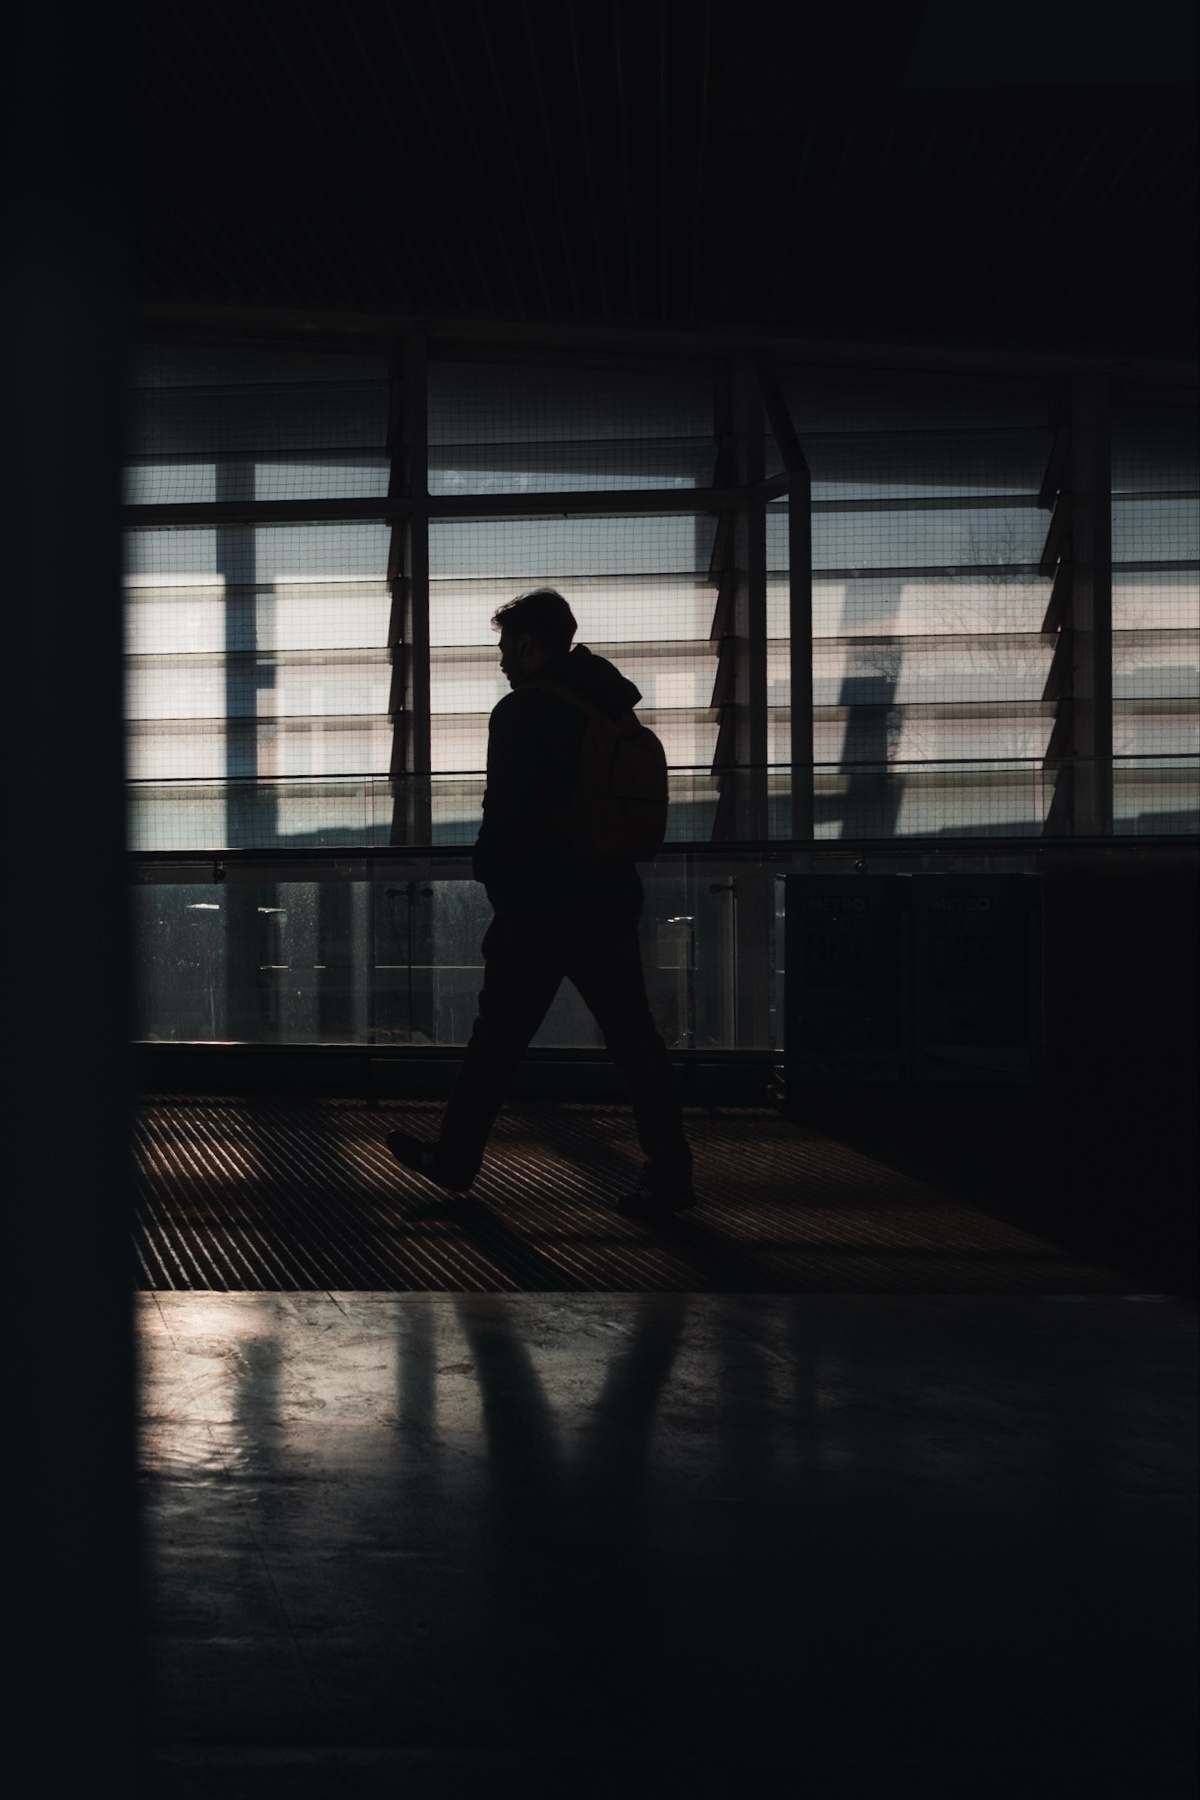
280,957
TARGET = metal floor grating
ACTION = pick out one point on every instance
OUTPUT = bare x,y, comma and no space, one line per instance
266,1194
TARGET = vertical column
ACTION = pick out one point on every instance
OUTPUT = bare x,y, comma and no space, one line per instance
73,1509
722,572
408,575
236,567
800,661
1091,483
750,605
739,567
1078,554
752,893
800,672
250,817
397,580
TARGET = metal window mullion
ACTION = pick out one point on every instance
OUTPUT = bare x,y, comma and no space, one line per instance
396,579
751,605
800,619
800,661
412,813
754,737
752,891
723,572
1091,607
416,437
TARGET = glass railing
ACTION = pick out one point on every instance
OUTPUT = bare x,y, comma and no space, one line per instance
381,947
384,950
1011,798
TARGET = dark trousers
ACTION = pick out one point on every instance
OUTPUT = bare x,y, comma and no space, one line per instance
526,956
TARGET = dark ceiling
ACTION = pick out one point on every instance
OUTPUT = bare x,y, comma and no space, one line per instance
709,164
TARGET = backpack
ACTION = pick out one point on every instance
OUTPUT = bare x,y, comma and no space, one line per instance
617,812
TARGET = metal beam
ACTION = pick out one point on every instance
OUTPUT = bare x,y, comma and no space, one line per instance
616,501
1058,607
412,810
800,616
801,750
724,684
1079,554
201,514
343,863
723,573
397,578
1091,604
778,416
751,605
722,620
368,330
1058,537
1056,468
563,502
1058,683
751,892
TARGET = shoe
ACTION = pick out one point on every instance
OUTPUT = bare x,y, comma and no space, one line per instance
424,1159
655,1201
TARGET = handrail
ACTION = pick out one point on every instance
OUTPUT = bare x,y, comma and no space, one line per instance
762,849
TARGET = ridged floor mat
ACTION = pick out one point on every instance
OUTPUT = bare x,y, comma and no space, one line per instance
266,1194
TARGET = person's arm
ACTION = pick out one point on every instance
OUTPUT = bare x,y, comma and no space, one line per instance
513,814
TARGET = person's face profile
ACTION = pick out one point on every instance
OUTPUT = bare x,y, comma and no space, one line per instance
506,656
514,656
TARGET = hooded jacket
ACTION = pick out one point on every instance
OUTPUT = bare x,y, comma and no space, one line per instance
534,740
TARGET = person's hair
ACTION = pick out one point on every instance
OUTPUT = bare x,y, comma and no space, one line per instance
544,614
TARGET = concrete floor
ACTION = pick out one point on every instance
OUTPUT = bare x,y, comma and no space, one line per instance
670,1544
248,1194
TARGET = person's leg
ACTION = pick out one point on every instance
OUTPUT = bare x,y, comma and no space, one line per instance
523,967
604,962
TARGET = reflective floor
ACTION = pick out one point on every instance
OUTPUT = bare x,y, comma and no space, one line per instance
286,1194
670,1544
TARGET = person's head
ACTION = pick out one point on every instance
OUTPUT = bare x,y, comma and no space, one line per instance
533,629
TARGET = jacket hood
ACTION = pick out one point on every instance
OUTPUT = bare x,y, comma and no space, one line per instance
597,679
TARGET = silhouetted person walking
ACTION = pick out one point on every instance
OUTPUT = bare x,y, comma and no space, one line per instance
559,912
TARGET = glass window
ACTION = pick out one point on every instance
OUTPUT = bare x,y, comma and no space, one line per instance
639,590
1156,609
927,602
513,429
256,654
